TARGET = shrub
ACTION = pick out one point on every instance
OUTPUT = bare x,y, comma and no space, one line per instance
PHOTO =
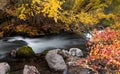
105,50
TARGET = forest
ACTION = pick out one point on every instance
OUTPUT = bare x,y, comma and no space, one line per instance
44,19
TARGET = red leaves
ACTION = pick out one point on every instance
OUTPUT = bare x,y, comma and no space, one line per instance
118,71
106,46
107,35
93,66
118,59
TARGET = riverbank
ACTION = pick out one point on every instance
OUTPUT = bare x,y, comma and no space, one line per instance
39,61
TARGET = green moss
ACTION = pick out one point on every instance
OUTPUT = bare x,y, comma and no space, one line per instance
25,52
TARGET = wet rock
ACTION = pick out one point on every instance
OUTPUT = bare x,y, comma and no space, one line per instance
76,52
55,61
20,42
30,70
4,68
25,52
13,53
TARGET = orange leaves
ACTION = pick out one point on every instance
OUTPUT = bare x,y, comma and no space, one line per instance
106,46
106,36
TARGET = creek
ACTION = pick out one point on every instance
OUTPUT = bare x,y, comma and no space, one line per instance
62,41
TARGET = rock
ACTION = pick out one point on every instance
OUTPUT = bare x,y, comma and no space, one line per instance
55,61
25,52
30,70
19,41
71,63
13,53
76,52
4,68
64,53
79,70
69,59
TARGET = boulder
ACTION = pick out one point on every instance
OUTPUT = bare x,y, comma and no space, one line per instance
76,52
55,61
25,52
4,68
30,70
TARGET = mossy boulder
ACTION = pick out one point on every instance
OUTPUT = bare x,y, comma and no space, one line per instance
25,52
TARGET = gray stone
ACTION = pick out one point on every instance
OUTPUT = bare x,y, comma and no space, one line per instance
69,59
76,52
64,53
30,70
55,61
79,70
4,68
13,53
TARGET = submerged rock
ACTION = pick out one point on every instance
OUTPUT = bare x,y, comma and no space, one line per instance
4,68
76,52
25,52
55,61
30,70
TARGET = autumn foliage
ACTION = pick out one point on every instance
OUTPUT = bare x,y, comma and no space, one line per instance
105,50
66,11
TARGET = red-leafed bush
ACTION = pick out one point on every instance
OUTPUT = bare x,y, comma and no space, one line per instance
105,50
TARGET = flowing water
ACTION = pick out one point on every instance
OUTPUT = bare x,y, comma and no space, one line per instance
39,44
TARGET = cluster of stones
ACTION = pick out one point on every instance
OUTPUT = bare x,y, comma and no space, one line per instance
57,59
